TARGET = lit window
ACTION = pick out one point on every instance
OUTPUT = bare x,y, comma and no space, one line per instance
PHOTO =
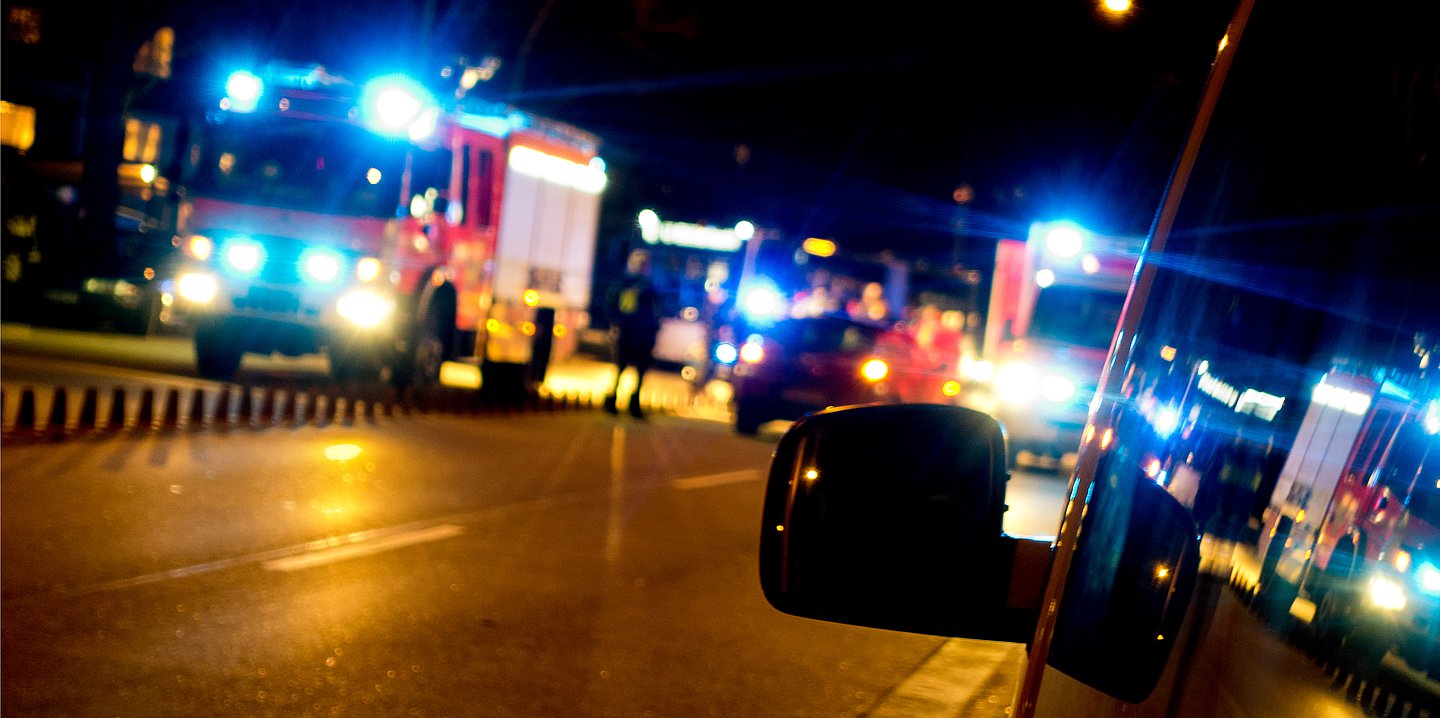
155,55
22,25
17,126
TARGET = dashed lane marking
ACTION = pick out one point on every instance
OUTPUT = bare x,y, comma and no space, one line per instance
343,552
298,556
704,482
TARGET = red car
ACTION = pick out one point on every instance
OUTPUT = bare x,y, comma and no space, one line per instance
806,364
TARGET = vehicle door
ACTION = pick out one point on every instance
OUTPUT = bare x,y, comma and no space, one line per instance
1293,240
1272,266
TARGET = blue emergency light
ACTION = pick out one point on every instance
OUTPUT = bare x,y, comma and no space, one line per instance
243,90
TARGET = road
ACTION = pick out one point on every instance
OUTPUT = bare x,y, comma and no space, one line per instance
561,563
438,563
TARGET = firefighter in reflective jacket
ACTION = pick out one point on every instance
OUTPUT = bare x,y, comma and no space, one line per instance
633,306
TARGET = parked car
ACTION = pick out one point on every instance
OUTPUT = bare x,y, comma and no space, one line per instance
805,364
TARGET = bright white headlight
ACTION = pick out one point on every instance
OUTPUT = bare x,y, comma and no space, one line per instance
197,287
1387,593
244,255
1017,383
1057,388
364,307
321,266
1429,578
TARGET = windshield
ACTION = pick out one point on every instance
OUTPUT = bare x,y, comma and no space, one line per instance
1077,315
824,336
1412,470
324,167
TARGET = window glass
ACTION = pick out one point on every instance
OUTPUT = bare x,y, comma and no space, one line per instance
1299,256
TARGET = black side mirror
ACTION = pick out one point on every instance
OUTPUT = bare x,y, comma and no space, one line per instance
891,517
1135,569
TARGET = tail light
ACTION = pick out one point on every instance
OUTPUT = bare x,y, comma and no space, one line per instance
874,370
200,247
752,352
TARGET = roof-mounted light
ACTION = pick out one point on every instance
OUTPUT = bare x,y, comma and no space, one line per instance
398,106
243,90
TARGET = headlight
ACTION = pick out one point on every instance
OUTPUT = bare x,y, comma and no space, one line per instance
199,247
1056,388
874,370
1387,593
367,269
320,265
197,287
364,307
1017,383
725,353
978,370
752,352
244,255
1428,576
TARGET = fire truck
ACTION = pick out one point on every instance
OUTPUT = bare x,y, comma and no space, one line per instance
390,231
1352,532
1055,301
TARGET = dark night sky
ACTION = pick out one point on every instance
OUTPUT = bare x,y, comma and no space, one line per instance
860,121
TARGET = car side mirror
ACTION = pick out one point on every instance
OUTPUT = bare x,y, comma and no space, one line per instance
892,517
1135,569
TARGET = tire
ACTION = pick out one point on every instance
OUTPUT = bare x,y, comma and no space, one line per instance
429,344
748,417
1332,621
1366,644
217,354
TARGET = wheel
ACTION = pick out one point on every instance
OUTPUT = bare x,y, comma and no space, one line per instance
748,417
217,353
429,346
1366,644
1332,621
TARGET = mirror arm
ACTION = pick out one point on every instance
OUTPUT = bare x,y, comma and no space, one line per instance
1028,571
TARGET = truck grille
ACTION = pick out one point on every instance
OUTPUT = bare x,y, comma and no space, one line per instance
282,261
262,299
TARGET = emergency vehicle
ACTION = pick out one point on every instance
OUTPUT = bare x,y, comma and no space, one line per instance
1352,533
1055,300
371,222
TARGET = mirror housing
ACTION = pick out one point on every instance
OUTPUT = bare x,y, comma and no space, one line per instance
892,517
1135,569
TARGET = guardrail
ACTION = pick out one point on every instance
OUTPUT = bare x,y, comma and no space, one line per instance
1378,690
52,413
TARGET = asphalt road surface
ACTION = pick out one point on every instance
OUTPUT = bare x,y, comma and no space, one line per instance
565,564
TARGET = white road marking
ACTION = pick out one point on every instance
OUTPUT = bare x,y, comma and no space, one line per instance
703,482
949,680
344,552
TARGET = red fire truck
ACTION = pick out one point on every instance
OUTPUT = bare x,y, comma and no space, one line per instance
1352,532
1055,300
368,221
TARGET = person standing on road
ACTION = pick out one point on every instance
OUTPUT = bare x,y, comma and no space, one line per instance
633,306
